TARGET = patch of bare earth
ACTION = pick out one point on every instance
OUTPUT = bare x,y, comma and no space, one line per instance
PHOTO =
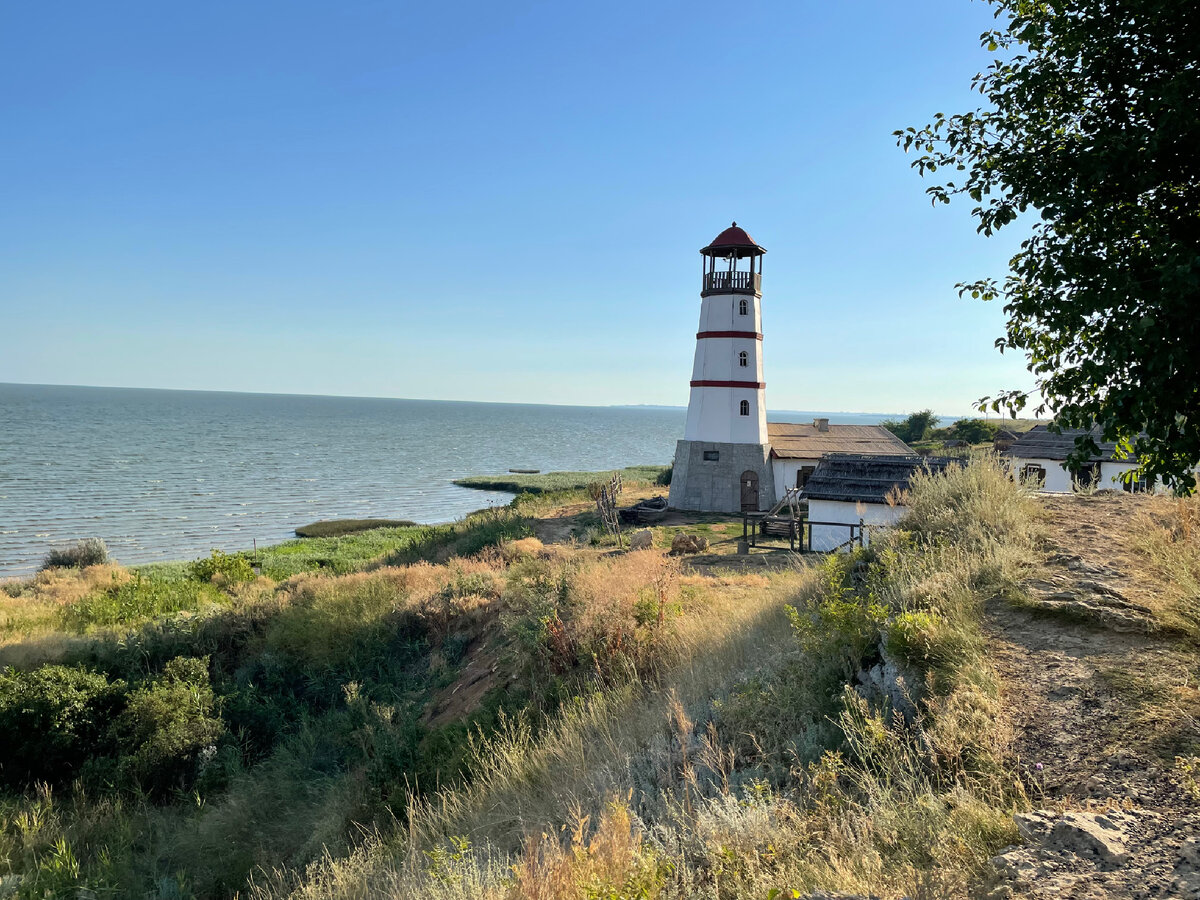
479,672
1102,699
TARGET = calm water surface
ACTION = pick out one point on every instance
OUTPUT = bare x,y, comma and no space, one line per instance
173,474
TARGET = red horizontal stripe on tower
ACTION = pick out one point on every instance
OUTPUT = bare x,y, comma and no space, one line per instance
757,335
742,384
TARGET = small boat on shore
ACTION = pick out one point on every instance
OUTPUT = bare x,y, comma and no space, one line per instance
645,512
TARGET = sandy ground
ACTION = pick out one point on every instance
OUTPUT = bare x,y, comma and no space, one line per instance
1101,703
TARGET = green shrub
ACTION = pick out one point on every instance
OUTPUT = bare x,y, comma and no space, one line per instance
974,431
927,639
52,720
137,601
664,477
915,427
168,728
340,554
231,568
80,555
479,530
532,596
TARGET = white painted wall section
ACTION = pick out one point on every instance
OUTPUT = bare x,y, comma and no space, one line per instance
719,312
827,537
1058,479
785,473
1111,472
714,413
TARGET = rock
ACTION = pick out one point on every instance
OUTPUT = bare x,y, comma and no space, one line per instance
641,540
1090,834
1016,866
688,543
1062,597
1186,885
1034,827
1189,852
887,683
1043,587
1097,587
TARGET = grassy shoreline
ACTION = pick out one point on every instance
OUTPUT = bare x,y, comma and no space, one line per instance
555,482
410,727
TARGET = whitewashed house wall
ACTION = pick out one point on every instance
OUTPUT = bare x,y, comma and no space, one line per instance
1058,479
827,537
785,472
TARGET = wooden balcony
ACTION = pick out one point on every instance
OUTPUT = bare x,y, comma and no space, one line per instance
731,283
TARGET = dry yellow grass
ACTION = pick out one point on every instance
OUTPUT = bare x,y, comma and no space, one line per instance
38,606
667,680
1165,534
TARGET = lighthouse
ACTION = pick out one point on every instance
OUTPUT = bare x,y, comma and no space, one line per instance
723,463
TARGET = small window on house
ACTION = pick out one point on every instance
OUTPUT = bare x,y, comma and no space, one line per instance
743,359
744,408
712,455
742,308
803,474
1034,475
1088,477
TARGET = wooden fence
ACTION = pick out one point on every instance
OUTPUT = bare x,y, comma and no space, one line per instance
798,531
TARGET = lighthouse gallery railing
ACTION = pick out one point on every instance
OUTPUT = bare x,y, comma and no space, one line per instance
732,281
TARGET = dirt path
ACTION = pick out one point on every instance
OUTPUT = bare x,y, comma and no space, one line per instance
1090,680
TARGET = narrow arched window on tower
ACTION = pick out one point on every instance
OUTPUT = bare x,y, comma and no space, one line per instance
743,359
742,307
744,408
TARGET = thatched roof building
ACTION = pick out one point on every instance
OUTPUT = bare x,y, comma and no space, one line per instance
1042,443
1004,439
856,478
813,440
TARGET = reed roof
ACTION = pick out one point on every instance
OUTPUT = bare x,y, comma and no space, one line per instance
860,478
1042,443
806,441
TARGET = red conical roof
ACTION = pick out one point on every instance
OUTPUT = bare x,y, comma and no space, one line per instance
733,241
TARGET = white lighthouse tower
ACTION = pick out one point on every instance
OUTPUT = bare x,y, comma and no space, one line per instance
723,462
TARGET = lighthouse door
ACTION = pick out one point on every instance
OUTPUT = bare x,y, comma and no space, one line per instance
749,491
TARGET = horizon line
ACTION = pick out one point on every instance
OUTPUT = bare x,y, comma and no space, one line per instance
682,407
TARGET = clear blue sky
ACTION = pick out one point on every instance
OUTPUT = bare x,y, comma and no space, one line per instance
485,201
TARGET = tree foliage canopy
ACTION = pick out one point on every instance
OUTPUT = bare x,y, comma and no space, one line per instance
915,427
1092,121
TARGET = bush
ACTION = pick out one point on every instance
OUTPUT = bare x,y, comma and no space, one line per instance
136,601
80,555
168,728
974,431
53,719
915,427
664,477
231,569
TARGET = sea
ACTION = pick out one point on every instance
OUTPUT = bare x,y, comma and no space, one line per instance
162,474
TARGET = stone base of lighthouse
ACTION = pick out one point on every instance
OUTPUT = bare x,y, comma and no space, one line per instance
708,476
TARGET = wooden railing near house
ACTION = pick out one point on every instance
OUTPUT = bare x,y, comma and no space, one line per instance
798,531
